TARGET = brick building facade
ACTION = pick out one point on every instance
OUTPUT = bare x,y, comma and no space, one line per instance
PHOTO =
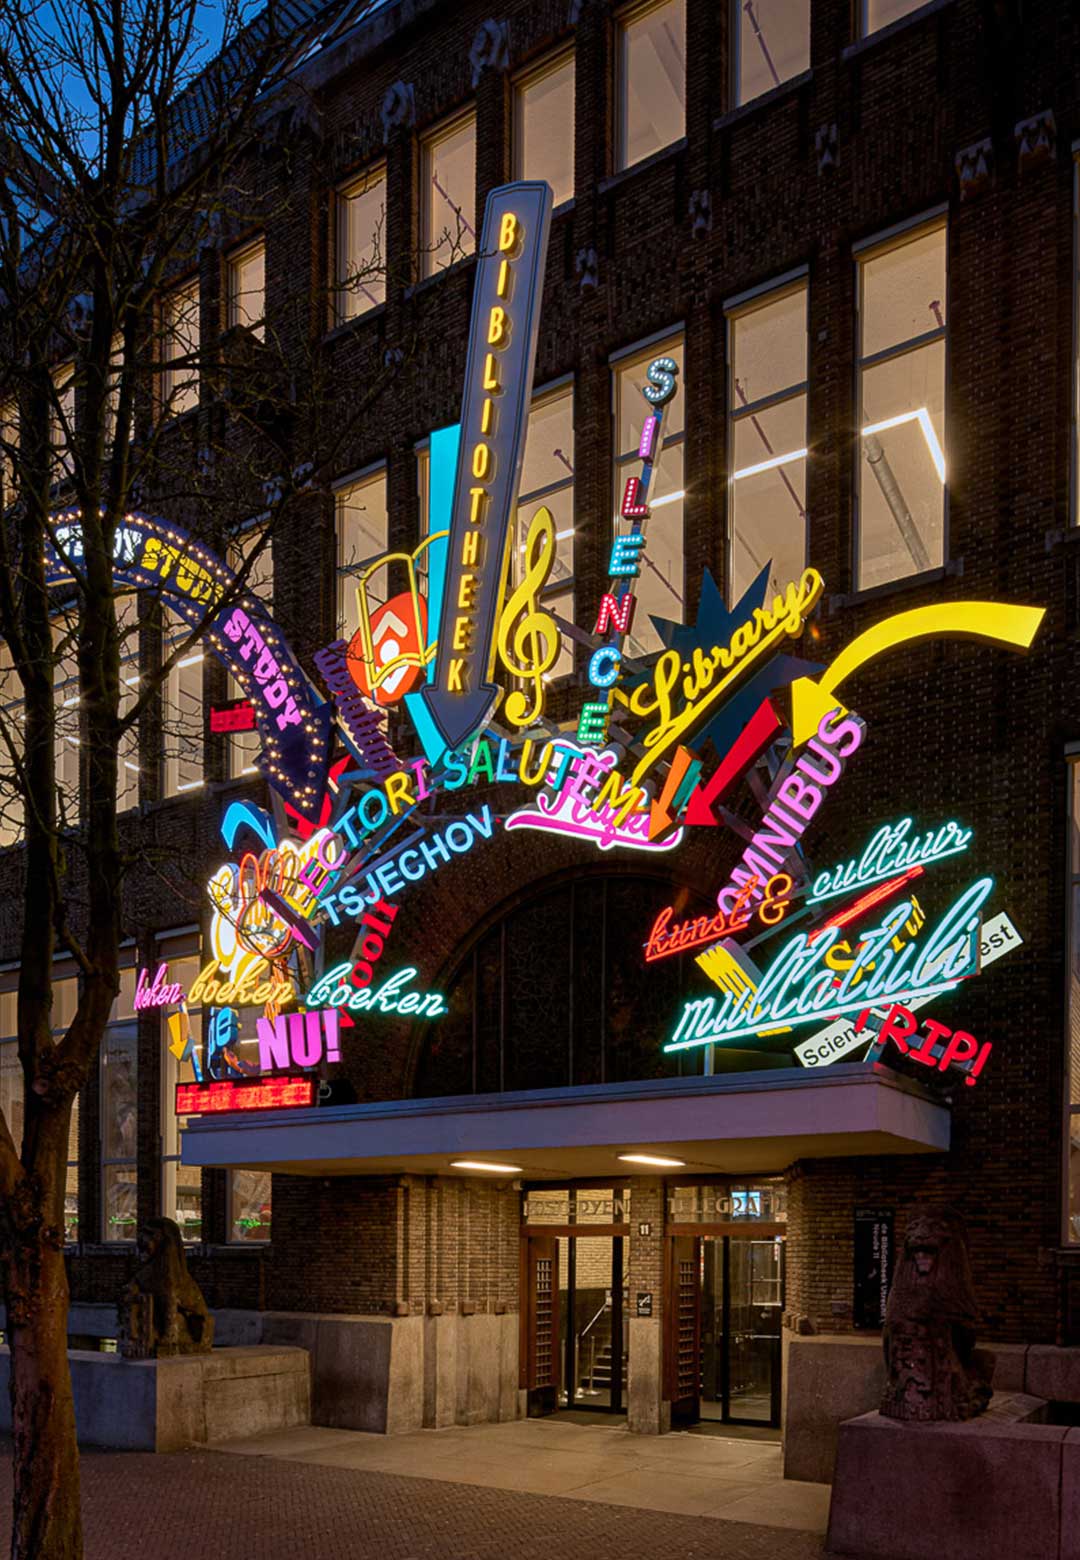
947,125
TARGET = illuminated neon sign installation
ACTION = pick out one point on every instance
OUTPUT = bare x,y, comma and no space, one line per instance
890,851
409,864
570,811
299,1039
334,990
994,622
793,802
948,954
293,720
618,603
528,639
679,695
998,937
498,387
941,1046
157,993
208,990
233,715
211,1099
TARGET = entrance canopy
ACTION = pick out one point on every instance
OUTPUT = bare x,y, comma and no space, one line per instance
749,1122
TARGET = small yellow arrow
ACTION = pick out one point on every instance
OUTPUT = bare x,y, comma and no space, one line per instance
996,622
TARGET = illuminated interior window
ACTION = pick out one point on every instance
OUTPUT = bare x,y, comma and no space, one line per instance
767,355
901,406
9,449
112,396
181,1186
68,736
179,349
544,127
244,746
1072,1147
547,479
62,423
127,759
448,194
119,1117
772,44
362,526
660,586
360,245
249,1205
12,716
65,994
651,80
182,712
877,14
246,287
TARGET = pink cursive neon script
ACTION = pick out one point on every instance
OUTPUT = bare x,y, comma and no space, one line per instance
158,994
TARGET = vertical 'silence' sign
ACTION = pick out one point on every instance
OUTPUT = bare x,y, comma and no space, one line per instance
498,386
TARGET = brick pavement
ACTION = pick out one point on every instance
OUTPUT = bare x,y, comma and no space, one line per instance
206,1506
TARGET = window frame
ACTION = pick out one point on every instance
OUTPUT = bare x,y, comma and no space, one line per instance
357,184
870,248
622,20
197,652
105,1162
738,308
735,34
233,261
528,77
555,589
428,263
365,477
167,389
169,948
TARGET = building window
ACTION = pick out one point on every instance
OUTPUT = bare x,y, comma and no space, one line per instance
9,451
112,390
119,1117
245,746
62,424
127,758
1072,1220
65,999
547,480
246,279
772,44
12,716
182,711
362,527
659,588
766,440
249,1205
180,349
544,126
181,1046
448,194
651,84
360,246
68,738
876,14
901,406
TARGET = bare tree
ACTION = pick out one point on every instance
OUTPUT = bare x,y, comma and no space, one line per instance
118,161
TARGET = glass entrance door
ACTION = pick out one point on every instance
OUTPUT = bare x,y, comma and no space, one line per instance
592,1330
742,1298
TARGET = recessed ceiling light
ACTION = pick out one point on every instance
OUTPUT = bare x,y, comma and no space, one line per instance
484,1164
651,1159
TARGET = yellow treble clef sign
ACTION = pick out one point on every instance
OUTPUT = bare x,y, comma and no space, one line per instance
528,638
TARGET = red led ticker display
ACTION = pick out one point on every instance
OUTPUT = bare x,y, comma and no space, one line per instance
237,715
211,1099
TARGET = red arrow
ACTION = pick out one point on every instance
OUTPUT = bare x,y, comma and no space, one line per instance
751,742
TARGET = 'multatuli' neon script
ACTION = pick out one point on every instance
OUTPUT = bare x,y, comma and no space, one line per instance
889,852
800,985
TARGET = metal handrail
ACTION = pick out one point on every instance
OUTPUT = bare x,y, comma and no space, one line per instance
589,1325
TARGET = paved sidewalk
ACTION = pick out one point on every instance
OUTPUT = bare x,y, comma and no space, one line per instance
683,1473
211,1506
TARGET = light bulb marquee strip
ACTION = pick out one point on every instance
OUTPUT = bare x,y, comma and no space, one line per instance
293,721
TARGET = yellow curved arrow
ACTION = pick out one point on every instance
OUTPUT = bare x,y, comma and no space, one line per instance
996,622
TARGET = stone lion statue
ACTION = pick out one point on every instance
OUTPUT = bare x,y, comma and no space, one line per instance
162,1310
934,1370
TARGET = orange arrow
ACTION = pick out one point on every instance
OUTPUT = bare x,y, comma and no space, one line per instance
662,812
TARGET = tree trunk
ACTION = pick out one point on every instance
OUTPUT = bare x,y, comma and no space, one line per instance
47,1520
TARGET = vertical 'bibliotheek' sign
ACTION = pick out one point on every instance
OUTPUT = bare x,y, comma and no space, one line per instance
498,387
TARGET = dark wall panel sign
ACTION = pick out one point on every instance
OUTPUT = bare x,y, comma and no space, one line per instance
873,1264
644,1303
